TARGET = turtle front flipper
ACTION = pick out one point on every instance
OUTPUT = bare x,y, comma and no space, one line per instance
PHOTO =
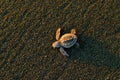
73,31
58,33
63,52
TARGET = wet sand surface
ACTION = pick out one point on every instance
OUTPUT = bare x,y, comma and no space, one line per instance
27,31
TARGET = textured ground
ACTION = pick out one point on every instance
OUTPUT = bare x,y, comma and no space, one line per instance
27,30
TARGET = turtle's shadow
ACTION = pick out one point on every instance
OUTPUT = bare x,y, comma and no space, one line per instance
93,52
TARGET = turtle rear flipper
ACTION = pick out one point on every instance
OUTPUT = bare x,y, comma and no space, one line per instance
63,52
58,33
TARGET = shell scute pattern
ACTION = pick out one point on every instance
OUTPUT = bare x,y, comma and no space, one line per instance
68,40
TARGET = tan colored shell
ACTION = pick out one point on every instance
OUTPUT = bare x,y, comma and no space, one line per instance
68,40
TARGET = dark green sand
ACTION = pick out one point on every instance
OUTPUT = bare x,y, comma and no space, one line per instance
27,30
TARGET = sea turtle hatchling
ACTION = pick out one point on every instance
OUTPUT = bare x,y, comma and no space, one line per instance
65,41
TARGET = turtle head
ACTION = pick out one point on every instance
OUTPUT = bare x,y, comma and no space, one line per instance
56,44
